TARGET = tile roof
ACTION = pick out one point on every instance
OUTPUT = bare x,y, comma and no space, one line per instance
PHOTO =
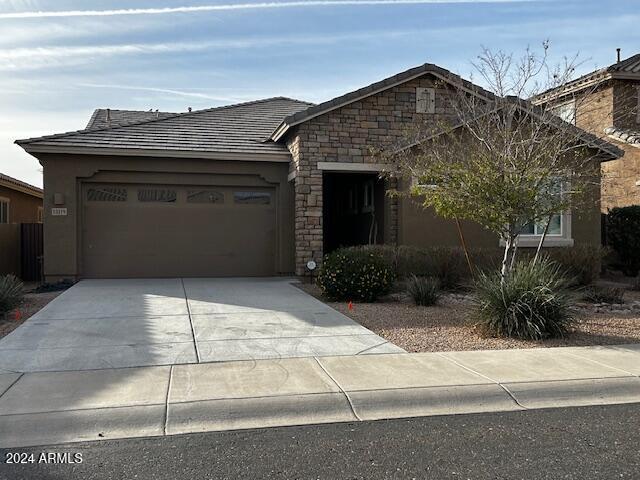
628,68
427,68
630,65
242,128
627,136
100,117
16,184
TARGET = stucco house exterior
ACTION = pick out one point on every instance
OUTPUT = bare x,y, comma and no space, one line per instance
606,103
258,188
20,202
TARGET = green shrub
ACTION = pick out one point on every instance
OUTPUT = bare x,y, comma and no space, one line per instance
595,294
581,263
11,293
425,291
623,235
533,303
447,264
354,274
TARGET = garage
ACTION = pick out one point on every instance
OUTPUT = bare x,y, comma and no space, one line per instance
164,230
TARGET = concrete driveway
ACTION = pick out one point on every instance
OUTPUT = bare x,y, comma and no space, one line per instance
129,323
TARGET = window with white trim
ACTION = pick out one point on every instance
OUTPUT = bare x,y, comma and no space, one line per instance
559,229
4,210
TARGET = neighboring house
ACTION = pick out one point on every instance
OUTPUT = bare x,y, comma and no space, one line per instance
19,201
606,102
258,188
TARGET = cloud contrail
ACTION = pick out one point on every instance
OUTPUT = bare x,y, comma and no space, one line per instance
233,6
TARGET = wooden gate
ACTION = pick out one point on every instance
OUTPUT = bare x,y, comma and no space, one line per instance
31,251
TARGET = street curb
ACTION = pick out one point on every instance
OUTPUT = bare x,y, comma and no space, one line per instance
236,414
430,401
32,429
576,393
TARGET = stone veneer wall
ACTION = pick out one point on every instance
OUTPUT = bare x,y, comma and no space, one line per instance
346,135
619,179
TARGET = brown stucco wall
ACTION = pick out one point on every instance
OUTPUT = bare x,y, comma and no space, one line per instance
64,174
23,208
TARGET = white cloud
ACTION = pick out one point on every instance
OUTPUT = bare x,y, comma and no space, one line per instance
29,58
163,91
234,6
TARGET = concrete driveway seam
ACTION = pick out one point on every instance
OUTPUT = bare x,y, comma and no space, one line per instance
372,347
344,392
193,332
20,375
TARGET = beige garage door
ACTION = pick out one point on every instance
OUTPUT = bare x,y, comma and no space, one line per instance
177,231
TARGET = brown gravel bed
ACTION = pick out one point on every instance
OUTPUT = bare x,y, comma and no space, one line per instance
446,327
33,302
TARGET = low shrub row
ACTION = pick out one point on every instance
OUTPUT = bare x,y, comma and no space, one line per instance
580,264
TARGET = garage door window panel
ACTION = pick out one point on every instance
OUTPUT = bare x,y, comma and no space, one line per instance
213,197
157,195
106,194
252,198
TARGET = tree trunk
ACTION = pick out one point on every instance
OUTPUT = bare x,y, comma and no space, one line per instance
514,254
464,247
544,235
505,259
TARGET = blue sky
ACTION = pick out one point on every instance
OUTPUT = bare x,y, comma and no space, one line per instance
60,59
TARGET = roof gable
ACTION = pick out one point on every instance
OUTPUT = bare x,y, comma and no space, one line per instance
606,149
377,87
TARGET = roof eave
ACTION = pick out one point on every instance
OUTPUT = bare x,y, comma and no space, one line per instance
20,188
34,149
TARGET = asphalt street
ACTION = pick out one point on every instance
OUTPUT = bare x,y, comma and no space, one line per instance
572,443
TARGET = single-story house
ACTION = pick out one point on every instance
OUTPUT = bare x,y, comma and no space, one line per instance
20,202
257,188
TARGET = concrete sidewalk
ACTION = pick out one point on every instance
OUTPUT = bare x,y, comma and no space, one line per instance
58,407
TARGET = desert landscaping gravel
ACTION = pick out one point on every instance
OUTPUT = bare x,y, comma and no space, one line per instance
33,302
447,326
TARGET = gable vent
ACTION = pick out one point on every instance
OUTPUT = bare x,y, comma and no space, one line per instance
425,100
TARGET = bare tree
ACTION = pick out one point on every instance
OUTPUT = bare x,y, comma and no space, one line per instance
501,161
